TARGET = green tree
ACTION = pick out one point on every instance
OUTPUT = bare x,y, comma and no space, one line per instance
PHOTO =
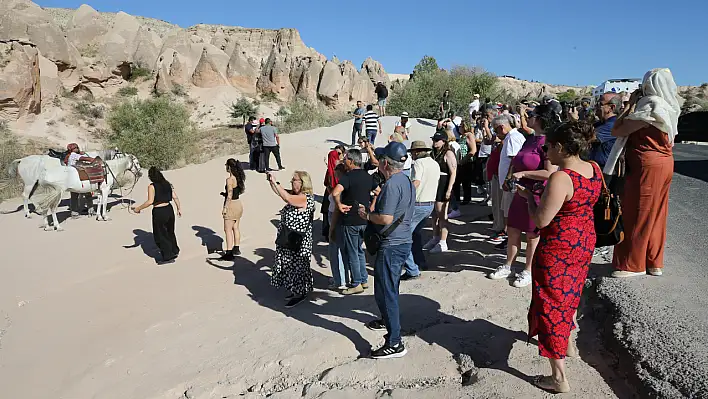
427,64
421,96
568,96
243,108
157,130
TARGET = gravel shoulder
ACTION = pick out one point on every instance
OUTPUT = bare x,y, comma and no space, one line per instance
660,325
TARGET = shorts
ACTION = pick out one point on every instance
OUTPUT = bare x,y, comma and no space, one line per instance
442,189
233,211
507,198
382,102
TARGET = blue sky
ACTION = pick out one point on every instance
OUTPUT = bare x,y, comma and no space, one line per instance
553,41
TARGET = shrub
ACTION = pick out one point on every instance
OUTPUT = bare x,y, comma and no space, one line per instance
211,143
243,108
304,115
421,95
90,50
179,90
139,71
269,97
567,96
87,110
128,91
158,131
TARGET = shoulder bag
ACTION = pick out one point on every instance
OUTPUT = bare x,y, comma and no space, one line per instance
373,238
290,239
608,216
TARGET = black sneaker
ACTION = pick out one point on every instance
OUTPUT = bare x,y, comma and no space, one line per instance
296,300
389,352
502,245
376,325
227,256
406,277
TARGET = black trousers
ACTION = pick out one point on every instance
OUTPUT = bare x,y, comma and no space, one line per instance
479,164
275,150
77,205
163,230
463,182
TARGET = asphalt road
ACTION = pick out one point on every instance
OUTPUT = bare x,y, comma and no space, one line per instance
662,322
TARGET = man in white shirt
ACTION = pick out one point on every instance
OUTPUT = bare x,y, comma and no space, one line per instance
405,123
425,175
511,146
474,107
75,155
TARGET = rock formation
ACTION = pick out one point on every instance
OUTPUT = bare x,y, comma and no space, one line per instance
49,51
20,84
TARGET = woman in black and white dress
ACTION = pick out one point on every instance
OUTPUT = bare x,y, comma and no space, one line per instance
292,267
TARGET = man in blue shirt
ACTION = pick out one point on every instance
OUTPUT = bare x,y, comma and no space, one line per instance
358,120
606,109
391,217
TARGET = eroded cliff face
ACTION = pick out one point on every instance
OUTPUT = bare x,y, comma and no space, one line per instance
83,50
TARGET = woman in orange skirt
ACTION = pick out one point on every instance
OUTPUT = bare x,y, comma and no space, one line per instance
649,124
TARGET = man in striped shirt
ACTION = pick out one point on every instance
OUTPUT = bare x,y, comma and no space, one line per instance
372,123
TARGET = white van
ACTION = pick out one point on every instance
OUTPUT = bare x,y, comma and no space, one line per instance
616,86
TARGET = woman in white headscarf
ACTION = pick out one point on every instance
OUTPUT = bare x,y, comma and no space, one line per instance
647,129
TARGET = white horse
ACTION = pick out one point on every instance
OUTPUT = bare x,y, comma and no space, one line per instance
56,180
30,168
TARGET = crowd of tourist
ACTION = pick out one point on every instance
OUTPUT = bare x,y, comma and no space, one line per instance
538,165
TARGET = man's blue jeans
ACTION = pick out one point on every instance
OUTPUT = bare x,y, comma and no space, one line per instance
371,135
416,258
339,276
387,272
350,243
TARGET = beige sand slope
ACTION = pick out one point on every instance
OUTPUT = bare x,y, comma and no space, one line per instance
81,316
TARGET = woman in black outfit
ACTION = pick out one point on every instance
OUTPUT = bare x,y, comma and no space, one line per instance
160,195
233,208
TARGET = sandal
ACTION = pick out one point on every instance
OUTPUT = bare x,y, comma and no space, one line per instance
548,384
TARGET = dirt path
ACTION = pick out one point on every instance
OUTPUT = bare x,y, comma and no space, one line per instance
82,316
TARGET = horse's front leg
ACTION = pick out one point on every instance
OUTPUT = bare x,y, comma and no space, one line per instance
57,226
104,204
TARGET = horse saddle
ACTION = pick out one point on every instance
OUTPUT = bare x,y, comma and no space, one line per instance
94,172
61,155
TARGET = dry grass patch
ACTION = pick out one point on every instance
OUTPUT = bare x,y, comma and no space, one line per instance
11,148
218,142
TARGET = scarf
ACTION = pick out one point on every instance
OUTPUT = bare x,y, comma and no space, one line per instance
332,161
658,107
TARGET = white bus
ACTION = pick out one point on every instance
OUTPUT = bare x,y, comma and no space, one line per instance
616,86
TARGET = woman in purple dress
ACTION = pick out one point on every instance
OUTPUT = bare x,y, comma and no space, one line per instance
529,168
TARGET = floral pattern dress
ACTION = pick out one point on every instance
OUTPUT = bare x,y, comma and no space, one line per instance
561,265
292,268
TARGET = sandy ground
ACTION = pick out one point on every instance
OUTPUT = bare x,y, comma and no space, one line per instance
87,313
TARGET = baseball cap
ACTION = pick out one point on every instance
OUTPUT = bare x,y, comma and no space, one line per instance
404,115
476,95
393,150
439,136
261,121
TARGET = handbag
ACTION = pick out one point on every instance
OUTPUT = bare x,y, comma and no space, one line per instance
608,216
290,239
373,238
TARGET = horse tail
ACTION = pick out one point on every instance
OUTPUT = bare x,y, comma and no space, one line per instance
46,197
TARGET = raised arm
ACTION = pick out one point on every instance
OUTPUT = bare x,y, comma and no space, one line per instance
541,174
558,190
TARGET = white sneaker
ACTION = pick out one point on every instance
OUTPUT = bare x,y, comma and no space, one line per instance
439,247
624,274
430,244
502,272
522,279
454,214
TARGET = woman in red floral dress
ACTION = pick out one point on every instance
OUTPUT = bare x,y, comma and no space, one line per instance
565,217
